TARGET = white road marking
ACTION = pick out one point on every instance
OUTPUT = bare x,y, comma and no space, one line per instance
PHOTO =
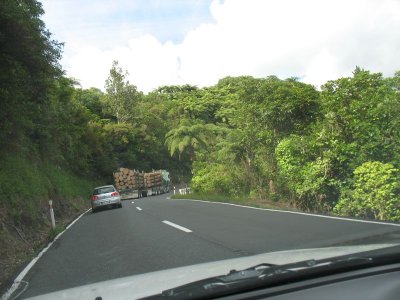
138,208
18,279
295,212
177,226
133,202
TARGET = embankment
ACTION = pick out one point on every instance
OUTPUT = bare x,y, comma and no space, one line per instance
25,188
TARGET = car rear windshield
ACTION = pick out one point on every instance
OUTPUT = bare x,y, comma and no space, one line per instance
103,190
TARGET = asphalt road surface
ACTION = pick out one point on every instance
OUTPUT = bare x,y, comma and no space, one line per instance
157,233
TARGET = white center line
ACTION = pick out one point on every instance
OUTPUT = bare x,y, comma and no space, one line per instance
177,226
138,208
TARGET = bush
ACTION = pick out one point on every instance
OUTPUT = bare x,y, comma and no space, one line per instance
375,193
213,178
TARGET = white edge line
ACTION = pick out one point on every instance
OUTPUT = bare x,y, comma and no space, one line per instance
23,273
138,208
176,226
295,212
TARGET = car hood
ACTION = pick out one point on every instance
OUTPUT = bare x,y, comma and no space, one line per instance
143,285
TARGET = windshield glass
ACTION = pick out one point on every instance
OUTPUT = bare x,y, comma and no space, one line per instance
225,130
103,190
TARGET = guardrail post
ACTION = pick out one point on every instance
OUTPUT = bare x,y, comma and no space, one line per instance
53,222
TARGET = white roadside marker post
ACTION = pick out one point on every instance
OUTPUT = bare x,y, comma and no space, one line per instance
53,222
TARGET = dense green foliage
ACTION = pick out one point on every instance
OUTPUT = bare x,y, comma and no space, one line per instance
375,194
335,149
283,139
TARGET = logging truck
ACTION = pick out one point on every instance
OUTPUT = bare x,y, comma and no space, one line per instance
156,183
136,184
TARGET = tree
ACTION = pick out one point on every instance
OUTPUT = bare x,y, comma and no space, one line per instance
362,111
267,111
29,64
121,95
92,99
191,136
304,171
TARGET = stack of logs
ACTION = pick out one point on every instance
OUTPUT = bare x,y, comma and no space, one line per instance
131,179
153,179
128,179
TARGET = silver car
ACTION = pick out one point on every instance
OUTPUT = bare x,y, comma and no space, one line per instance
105,196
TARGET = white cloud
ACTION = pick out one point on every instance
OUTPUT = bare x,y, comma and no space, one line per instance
311,39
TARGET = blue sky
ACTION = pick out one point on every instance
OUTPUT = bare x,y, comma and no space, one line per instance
163,42
167,20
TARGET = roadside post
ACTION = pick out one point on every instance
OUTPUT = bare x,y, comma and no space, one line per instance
53,222
174,191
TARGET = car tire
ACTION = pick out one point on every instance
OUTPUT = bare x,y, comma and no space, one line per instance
94,210
120,205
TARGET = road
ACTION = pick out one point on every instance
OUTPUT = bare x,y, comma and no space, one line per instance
157,233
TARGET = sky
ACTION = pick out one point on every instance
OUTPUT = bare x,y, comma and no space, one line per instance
198,42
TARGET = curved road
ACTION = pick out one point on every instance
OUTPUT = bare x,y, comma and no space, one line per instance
157,233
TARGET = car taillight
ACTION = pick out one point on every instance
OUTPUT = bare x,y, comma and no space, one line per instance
94,197
114,194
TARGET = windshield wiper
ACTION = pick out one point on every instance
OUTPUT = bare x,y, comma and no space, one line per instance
262,275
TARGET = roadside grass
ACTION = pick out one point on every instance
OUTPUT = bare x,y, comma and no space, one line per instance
66,184
242,200
21,181
55,231
210,197
26,186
